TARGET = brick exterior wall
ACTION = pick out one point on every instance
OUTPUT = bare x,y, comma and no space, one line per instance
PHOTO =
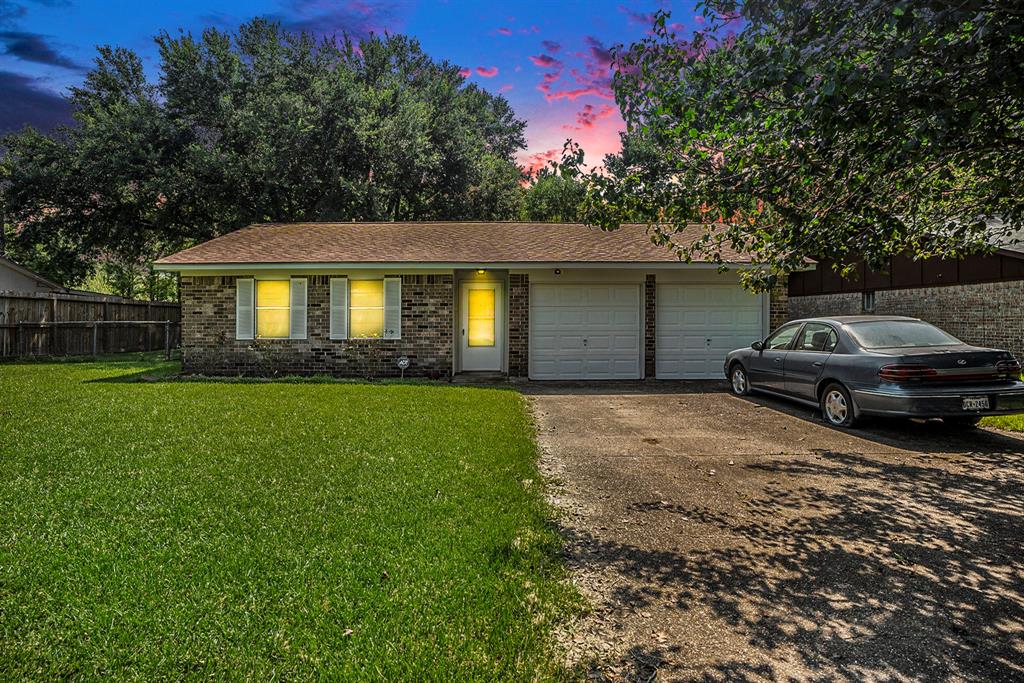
987,314
778,304
518,325
650,311
209,345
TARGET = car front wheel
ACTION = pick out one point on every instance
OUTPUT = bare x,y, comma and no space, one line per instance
837,406
738,380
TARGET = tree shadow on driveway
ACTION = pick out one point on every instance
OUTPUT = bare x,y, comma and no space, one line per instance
902,563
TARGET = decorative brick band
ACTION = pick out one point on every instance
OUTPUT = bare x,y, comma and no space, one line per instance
650,324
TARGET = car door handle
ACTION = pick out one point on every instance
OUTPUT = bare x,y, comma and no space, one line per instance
777,360
817,364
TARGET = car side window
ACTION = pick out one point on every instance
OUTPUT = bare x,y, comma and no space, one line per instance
816,337
781,338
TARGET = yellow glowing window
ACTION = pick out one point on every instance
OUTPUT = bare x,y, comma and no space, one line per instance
481,317
366,309
273,316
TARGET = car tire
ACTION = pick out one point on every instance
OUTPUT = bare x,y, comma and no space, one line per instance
739,380
966,422
837,406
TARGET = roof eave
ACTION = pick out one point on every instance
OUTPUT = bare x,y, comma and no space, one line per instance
427,265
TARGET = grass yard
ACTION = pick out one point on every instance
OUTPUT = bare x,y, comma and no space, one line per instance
1010,423
269,530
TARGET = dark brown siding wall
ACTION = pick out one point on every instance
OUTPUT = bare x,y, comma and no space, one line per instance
905,272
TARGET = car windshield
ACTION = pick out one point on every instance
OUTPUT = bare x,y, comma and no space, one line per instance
894,334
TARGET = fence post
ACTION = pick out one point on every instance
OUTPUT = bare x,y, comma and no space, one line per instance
95,335
18,335
167,339
53,327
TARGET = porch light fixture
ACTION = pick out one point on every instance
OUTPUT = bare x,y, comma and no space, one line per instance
480,271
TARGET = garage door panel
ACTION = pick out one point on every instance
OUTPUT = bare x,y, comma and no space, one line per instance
698,324
608,317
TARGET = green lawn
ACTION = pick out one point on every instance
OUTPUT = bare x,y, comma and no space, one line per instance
1011,423
269,530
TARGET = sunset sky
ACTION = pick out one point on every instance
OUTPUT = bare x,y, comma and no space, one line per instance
550,59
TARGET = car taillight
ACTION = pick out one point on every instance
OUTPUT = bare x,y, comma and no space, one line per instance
906,373
1010,369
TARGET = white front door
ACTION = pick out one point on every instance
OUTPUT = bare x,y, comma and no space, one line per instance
585,331
697,325
482,328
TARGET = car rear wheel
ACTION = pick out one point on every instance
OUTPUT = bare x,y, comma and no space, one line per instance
738,381
837,406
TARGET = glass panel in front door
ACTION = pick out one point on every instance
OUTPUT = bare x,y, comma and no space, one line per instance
481,317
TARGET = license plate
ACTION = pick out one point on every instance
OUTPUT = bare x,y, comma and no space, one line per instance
975,402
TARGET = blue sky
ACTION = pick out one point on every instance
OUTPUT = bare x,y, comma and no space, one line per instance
550,59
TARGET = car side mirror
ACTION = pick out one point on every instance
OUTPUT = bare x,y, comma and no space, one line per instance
757,346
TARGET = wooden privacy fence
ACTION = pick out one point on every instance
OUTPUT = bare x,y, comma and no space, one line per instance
70,324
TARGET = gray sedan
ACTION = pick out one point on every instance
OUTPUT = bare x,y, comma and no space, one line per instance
891,366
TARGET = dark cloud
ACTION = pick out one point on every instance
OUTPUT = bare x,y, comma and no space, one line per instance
25,103
33,47
551,46
10,12
358,18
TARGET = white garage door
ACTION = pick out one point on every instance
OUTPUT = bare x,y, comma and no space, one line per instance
698,324
585,332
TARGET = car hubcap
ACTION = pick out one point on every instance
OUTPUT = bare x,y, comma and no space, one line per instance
835,407
739,381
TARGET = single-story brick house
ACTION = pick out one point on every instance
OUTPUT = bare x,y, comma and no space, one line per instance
537,300
979,299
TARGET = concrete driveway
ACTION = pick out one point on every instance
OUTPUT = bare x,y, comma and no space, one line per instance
721,538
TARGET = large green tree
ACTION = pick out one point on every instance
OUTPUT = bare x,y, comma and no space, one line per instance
842,130
261,125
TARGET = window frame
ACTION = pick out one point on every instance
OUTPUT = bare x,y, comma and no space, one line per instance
789,345
832,332
349,308
256,307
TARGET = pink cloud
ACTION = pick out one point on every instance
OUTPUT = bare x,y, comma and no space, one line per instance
545,61
487,71
588,116
466,72
505,31
506,87
539,160
636,17
550,45
577,93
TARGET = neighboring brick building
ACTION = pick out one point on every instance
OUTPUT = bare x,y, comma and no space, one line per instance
538,300
977,299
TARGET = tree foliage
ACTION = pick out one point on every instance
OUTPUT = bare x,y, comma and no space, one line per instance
553,196
841,130
262,125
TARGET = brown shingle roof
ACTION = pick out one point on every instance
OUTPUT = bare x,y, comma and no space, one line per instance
449,243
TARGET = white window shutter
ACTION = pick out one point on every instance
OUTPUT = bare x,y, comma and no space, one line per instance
298,306
339,308
392,308
245,320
